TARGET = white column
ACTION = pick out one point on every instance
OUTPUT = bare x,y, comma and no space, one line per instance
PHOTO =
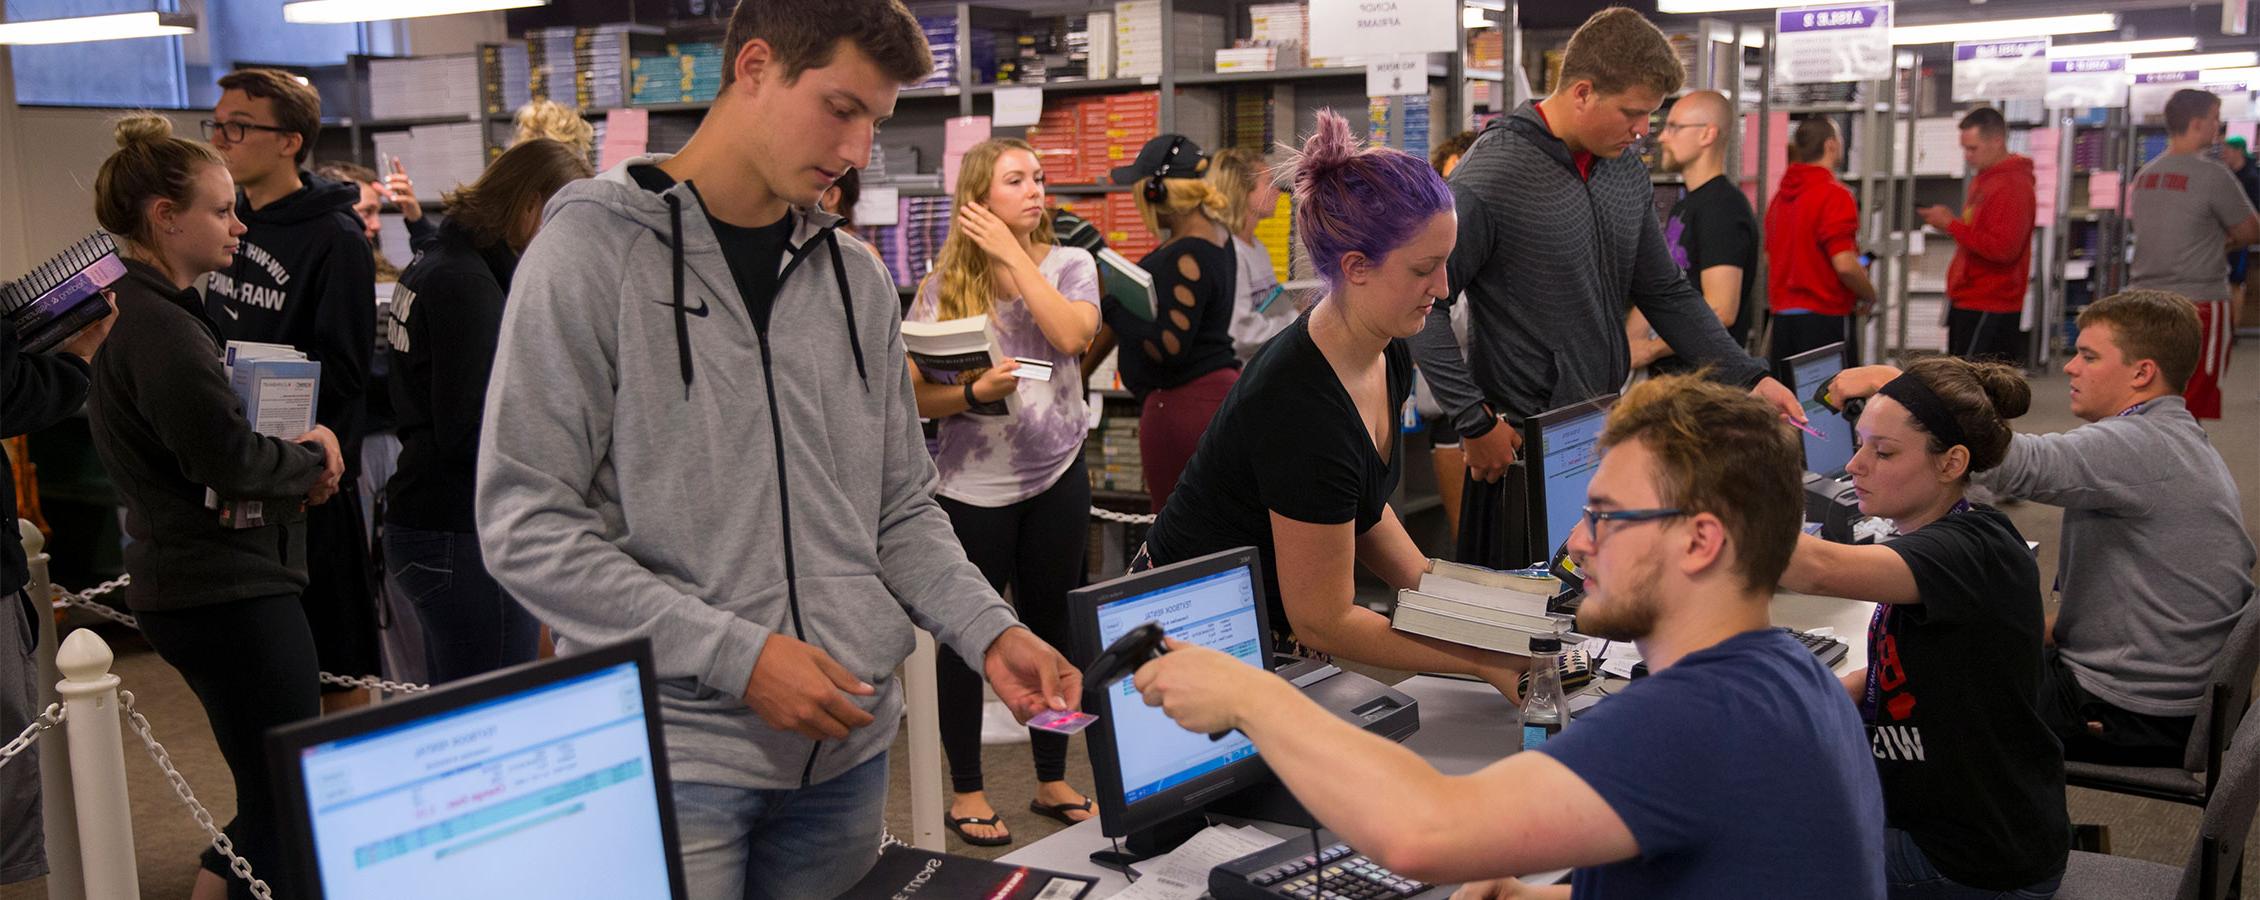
59,811
926,803
98,767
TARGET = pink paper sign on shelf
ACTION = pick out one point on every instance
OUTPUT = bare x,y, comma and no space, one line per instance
958,136
627,135
2103,190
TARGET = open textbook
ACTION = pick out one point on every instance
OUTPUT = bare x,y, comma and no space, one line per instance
955,352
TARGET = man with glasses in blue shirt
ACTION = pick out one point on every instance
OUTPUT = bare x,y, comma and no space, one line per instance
1735,769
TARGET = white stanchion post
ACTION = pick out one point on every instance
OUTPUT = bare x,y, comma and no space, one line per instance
926,803
98,767
59,814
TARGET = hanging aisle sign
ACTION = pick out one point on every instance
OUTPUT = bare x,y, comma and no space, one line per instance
1819,44
2147,98
2001,70
2236,98
1383,27
2087,82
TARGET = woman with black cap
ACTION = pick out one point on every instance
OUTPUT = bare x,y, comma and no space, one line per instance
1973,779
1178,357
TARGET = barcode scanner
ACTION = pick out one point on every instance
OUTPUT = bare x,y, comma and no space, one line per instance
1121,659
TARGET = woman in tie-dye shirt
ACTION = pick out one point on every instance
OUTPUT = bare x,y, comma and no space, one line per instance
1014,486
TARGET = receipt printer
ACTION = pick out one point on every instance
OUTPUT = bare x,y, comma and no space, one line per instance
1359,700
1834,504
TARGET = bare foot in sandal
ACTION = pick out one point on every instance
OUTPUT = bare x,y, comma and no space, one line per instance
1055,800
975,821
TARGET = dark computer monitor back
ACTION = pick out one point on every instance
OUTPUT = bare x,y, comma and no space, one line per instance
1561,455
1145,769
1829,453
547,779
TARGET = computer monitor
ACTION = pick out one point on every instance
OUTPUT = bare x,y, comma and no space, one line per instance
1149,775
1561,454
541,780
1829,453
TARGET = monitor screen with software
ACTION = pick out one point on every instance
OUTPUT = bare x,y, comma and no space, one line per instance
1566,457
1146,768
1829,453
542,780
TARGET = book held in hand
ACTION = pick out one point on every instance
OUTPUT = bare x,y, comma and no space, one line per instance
63,295
958,351
1126,282
278,387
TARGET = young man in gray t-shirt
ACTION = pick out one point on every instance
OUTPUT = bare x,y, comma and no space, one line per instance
2188,211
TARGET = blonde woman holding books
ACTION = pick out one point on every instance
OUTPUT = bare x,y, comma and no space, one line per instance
1014,486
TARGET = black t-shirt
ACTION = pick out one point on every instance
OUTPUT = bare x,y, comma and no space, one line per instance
1713,226
755,254
1195,283
1288,439
1968,766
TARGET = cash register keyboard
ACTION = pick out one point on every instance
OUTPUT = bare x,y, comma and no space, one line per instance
1290,870
1830,650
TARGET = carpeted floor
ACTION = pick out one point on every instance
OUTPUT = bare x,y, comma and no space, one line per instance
167,839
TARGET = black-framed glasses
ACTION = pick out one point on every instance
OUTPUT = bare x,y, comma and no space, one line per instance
1594,517
235,132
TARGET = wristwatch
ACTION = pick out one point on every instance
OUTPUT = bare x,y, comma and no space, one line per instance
1490,421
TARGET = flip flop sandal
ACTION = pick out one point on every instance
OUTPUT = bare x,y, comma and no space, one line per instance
958,826
1058,811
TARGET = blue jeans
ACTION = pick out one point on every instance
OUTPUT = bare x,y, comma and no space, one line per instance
788,843
470,626
1912,877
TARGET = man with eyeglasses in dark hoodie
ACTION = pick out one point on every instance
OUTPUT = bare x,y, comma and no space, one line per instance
305,278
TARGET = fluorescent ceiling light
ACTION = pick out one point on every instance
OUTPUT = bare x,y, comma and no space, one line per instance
332,12
2123,48
2192,62
97,28
1712,6
2003,29
1752,36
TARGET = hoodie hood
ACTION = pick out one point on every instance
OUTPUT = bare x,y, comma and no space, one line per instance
315,197
696,253
1801,178
2015,165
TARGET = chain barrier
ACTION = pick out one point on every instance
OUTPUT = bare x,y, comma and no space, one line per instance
220,841
85,600
1108,515
48,719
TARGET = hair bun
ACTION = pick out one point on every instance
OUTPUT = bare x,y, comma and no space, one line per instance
143,128
1329,147
2006,388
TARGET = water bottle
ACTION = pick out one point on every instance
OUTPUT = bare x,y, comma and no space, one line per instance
1543,710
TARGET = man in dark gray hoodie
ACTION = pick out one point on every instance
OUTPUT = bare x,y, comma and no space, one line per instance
1558,240
700,431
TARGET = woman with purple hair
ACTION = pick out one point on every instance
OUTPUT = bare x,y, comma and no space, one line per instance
1302,457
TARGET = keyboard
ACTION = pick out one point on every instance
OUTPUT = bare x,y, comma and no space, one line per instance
1336,872
1830,650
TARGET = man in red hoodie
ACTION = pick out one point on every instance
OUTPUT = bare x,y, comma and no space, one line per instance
1814,281
1992,265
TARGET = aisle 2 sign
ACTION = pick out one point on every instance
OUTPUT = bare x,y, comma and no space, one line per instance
1341,28
1844,42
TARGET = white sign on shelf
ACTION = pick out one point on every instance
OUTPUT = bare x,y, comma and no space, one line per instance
1017,106
2083,83
2001,70
878,206
1821,44
1396,76
2236,98
1383,27
2147,98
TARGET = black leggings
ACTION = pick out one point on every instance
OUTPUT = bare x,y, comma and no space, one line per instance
1037,546
251,663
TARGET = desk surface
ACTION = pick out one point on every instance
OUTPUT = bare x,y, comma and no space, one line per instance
1464,726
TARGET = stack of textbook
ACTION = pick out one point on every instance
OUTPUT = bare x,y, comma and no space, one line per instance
1480,607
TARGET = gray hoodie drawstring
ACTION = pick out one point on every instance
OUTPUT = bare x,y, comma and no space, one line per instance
682,318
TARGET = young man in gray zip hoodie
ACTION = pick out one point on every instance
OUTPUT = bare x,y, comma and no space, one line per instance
2156,563
699,432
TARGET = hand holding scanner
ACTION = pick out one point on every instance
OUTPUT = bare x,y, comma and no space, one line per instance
1121,659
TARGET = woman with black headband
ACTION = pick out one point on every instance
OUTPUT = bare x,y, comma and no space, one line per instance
1973,780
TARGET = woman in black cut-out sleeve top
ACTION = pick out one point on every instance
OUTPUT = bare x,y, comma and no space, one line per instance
1180,363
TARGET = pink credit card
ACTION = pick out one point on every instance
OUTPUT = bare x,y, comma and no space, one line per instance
1061,721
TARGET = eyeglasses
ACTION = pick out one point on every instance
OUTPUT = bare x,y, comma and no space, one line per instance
235,132
1675,126
1594,517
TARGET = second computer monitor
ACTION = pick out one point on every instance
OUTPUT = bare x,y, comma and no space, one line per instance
1832,450
1563,458
1148,770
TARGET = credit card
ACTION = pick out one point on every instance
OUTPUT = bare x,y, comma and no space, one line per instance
1033,369
1062,721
